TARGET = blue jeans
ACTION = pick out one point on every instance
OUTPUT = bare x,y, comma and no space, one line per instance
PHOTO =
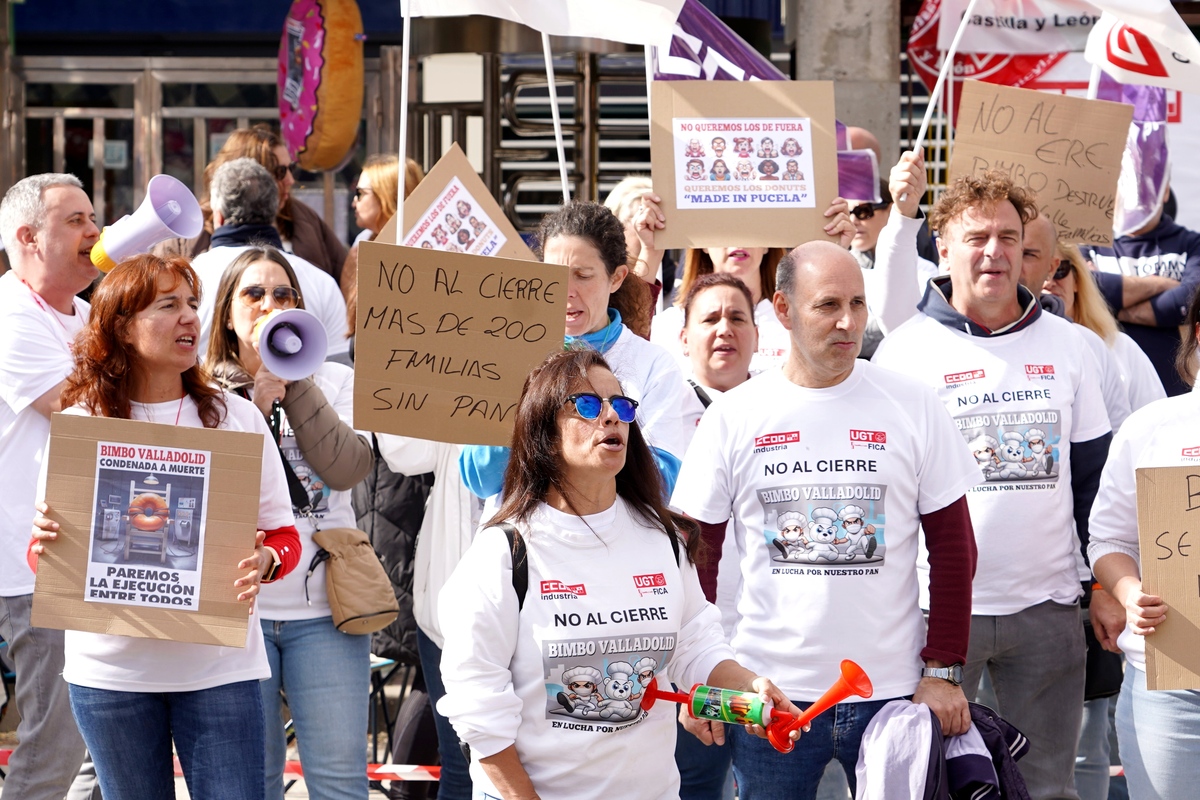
703,769
326,675
1092,756
1159,735
763,773
456,777
218,735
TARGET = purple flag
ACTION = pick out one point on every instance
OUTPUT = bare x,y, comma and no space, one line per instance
1146,164
704,48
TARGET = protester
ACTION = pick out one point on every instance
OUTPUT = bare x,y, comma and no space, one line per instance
244,199
1022,387
48,228
133,697
301,230
375,205
1075,284
1158,731
829,467
754,266
1148,279
586,499
312,421
588,239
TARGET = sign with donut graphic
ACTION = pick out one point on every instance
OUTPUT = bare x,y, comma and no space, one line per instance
144,550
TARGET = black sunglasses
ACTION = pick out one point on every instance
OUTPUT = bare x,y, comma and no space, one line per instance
865,211
589,405
1064,269
284,296
361,193
282,171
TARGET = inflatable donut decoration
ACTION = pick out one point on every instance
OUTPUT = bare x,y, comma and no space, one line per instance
148,512
321,81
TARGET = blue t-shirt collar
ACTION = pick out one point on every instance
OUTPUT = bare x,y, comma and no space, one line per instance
604,338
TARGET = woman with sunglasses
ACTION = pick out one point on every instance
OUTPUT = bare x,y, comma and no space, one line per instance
547,689
324,672
301,229
374,204
1074,284
754,266
132,697
589,240
869,220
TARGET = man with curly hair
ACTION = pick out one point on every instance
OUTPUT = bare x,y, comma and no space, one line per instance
1004,368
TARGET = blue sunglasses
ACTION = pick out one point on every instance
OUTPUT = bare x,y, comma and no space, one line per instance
589,405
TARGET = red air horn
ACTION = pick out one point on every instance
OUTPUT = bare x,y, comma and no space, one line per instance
747,708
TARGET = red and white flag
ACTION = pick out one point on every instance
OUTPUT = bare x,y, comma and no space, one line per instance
1145,42
644,22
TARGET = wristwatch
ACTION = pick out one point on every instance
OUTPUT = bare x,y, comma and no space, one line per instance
952,673
273,570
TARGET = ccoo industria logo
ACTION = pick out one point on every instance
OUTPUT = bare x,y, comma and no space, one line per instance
1191,453
775,441
557,590
956,379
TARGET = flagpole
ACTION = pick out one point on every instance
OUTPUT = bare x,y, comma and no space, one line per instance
403,155
558,134
1094,83
649,81
947,66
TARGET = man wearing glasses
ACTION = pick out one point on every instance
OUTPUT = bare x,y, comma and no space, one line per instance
245,199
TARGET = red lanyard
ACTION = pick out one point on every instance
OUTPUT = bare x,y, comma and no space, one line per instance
42,305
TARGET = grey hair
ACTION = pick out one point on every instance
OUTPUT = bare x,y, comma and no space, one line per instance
25,203
244,193
785,276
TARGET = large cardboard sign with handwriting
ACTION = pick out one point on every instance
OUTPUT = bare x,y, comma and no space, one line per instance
445,340
1168,500
747,162
1065,149
452,210
144,549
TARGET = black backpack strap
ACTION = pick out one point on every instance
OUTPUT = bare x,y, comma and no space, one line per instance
520,562
675,546
705,400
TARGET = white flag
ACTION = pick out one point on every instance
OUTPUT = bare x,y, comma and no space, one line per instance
1145,42
1018,26
644,22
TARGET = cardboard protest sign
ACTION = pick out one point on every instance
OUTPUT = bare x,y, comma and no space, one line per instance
144,549
444,341
452,210
752,163
1168,506
1065,149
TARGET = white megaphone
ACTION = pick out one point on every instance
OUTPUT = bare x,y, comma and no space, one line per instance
169,211
291,343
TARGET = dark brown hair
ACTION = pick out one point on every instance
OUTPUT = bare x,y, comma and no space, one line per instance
983,191
535,465
716,279
696,262
104,362
603,231
1186,356
222,341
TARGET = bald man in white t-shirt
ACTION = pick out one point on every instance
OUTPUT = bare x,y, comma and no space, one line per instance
48,227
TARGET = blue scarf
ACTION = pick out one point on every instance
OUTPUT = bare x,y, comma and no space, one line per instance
604,338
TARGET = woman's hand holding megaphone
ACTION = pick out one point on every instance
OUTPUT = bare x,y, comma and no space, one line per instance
268,388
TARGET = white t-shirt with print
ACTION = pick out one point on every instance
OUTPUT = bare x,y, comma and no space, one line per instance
130,664
607,608
1019,400
1162,434
35,356
1138,375
826,488
774,340
284,599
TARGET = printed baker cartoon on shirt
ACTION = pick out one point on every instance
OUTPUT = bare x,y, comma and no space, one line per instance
1015,446
702,173
318,491
826,525
602,680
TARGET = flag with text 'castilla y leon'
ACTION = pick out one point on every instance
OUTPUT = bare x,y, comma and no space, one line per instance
1145,42
644,22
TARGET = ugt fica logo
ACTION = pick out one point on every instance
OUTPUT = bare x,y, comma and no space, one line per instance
650,584
872,440
1039,372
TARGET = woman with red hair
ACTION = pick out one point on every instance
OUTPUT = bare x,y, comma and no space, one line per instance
137,359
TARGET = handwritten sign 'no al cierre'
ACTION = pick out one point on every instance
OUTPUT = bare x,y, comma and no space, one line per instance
1064,149
444,341
1168,508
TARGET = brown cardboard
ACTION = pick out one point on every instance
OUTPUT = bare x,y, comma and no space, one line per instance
437,354
711,106
230,522
451,168
1065,149
1168,500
